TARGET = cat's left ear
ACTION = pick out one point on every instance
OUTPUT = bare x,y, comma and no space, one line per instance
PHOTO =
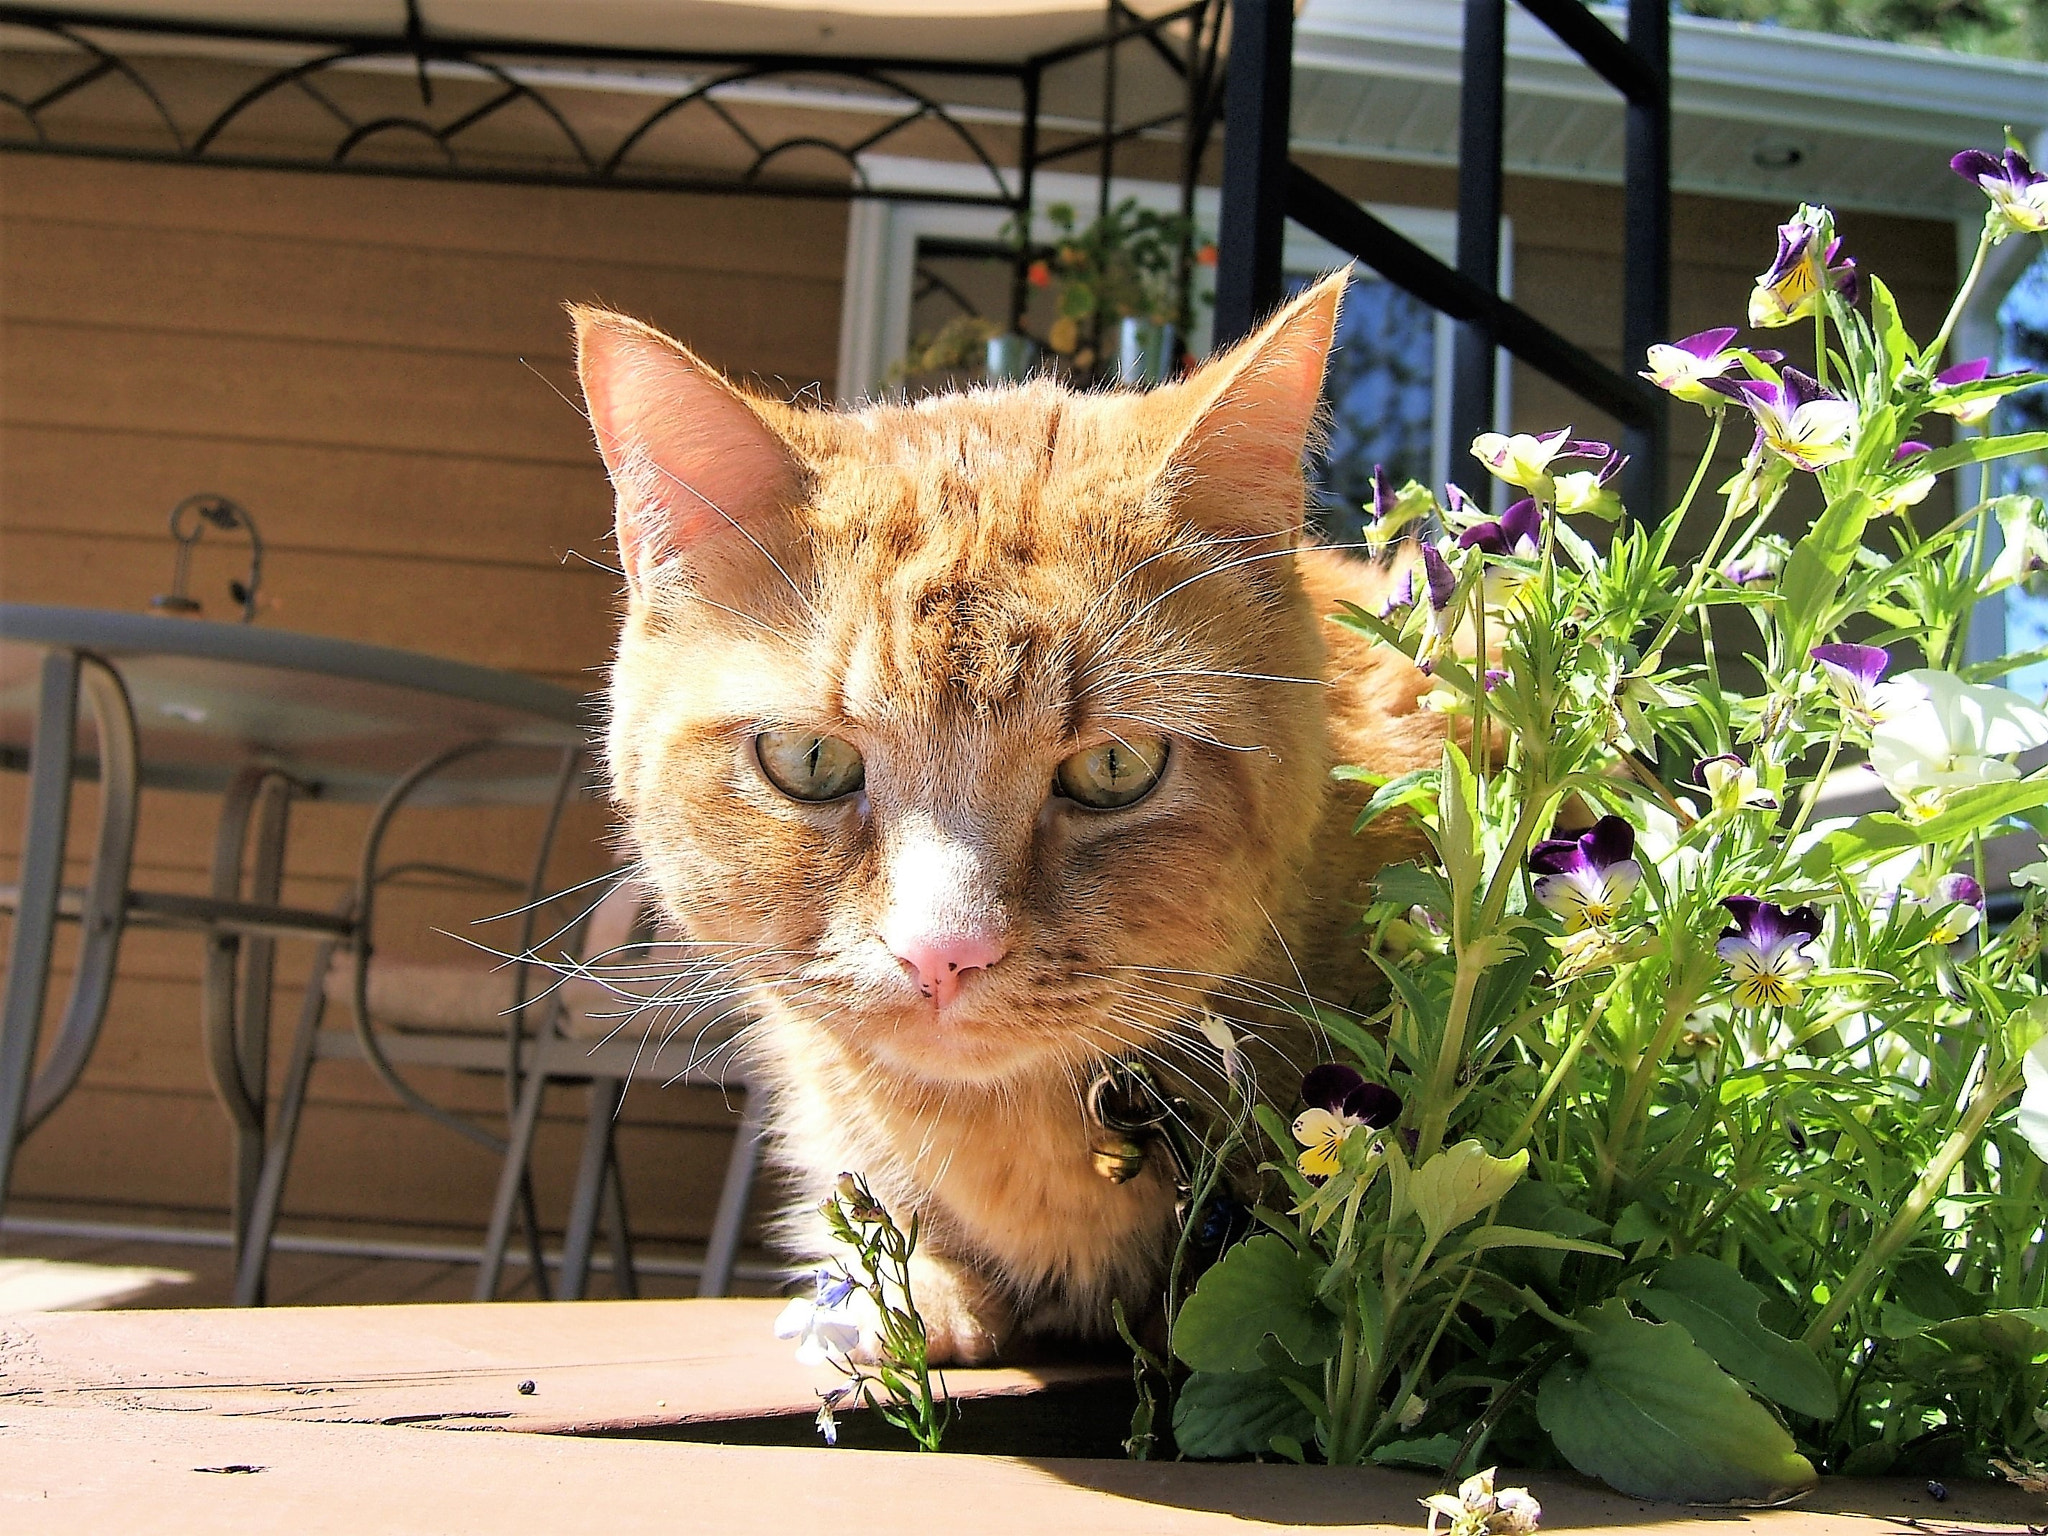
1247,418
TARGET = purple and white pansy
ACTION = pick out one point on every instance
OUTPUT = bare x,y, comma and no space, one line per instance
1765,950
1524,459
1682,368
1797,417
1519,532
1587,880
1852,673
2018,192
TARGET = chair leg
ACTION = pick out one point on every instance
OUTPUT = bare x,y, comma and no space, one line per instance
625,1279
512,1179
577,1240
723,1247
254,1259
536,1253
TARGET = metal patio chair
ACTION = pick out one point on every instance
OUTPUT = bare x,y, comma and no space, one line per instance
536,1029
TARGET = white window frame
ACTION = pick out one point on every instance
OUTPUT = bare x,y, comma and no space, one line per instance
882,239
1977,334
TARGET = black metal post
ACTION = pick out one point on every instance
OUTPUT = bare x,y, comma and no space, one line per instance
1027,177
1646,284
1482,114
1253,218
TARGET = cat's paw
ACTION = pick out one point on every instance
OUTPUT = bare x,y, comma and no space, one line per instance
965,1321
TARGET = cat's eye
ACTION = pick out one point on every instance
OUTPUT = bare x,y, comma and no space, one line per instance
807,766
1114,774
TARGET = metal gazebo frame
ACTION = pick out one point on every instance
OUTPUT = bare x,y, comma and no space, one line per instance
1262,185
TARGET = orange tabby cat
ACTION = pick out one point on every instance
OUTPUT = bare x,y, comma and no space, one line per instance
984,739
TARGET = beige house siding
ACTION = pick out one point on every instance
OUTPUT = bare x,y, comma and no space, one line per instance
377,368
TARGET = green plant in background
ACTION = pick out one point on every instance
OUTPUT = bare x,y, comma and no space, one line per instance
863,1320
1126,263
1700,1143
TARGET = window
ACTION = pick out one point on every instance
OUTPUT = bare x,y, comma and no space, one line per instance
913,267
2010,324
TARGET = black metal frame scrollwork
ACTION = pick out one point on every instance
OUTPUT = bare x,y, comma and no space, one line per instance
906,92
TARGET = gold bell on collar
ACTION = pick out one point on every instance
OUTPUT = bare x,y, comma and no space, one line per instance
1118,1159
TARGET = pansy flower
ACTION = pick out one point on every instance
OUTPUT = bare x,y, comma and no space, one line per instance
1792,287
2018,192
1797,417
1518,532
826,1324
1339,1101
1960,901
1591,491
1682,368
1910,488
1525,460
1394,508
1764,950
1587,880
1970,391
1476,1509
1852,672
1936,733
1731,785
2023,552
1439,586
1757,566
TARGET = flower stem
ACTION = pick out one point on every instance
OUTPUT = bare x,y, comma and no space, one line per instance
1955,311
1692,489
1991,1092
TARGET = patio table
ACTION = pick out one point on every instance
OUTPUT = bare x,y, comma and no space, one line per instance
259,717
646,1416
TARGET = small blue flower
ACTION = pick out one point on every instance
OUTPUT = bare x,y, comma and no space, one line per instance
1764,950
1587,880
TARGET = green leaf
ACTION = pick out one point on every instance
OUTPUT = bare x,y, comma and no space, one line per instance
1891,331
1416,788
1819,562
1975,450
1542,1207
1643,1408
1458,833
1924,1286
1410,885
1260,1287
1969,811
1719,1308
1978,1351
1237,1413
1436,1453
1479,1239
1460,1182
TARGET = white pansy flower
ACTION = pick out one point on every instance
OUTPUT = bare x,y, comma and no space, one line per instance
1937,733
2033,1119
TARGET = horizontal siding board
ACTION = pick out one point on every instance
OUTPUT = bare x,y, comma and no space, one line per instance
521,619
373,500
193,283
779,236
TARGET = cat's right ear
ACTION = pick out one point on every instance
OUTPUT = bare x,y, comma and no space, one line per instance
702,481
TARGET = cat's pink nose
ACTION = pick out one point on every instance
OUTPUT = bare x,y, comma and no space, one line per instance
938,961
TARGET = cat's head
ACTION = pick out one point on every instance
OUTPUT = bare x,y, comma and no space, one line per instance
983,731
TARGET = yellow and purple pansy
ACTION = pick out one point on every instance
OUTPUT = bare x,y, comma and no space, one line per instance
2018,192
1340,1100
1764,948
